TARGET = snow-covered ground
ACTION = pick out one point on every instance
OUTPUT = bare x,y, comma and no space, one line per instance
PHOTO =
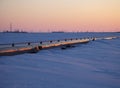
92,65
33,37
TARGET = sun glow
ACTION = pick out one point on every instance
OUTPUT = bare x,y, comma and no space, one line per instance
65,15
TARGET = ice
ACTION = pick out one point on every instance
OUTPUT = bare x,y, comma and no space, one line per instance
92,65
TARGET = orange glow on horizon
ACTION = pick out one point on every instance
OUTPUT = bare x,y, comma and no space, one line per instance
63,15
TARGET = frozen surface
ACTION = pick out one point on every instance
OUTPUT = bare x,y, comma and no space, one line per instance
33,37
92,65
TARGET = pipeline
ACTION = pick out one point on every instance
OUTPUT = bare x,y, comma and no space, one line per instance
34,47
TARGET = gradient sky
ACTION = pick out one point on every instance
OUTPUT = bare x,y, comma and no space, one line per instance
60,15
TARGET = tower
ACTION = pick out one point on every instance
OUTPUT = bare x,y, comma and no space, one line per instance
10,27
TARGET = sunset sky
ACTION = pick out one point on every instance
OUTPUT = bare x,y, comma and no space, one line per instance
60,15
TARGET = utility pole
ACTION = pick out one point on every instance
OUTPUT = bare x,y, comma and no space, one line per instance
10,27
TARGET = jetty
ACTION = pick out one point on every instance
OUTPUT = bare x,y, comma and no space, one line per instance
33,47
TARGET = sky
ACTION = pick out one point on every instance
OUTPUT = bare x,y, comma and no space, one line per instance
60,15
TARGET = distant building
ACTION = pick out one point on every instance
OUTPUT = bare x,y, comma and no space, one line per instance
57,32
